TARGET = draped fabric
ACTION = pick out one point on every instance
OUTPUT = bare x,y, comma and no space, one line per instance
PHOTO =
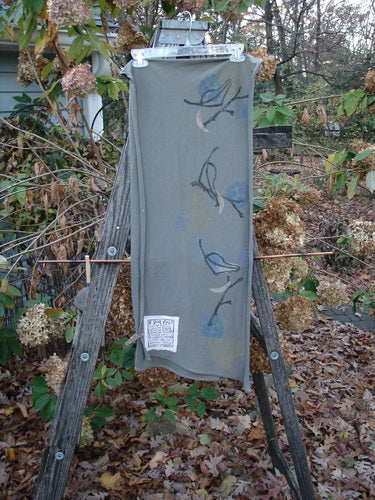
190,140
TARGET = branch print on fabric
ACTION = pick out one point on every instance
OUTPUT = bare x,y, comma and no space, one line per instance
216,262
214,94
236,195
218,265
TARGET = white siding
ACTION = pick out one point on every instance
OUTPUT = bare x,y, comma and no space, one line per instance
9,87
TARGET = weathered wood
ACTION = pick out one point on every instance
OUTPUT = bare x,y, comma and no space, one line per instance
272,137
278,459
256,330
89,333
292,427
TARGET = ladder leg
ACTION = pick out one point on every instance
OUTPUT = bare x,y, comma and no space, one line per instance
67,421
269,329
278,459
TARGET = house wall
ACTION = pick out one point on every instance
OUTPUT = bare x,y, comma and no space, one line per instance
9,87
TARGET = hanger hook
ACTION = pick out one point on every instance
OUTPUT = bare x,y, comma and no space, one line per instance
187,42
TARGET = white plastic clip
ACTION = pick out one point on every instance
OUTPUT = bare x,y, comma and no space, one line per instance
139,60
237,55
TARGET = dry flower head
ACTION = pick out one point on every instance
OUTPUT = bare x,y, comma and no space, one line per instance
79,80
267,69
362,235
29,66
300,269
68,13
277,274
36,328
127,38
54,369
295,314
278,227
259,361
331,292
231,13
193,6
367,163
126,4
87,433
308,197
370,82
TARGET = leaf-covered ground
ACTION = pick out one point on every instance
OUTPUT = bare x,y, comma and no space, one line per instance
223,455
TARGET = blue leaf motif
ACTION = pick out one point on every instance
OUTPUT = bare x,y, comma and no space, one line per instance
215,329
238,194
209,84
216,262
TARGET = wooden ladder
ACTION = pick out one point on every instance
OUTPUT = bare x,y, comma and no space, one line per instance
89,334
90,328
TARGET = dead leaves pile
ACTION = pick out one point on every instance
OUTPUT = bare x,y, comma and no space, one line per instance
225,454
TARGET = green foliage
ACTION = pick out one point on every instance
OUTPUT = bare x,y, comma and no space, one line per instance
196,397
344,168
272,110
280,186
354,100
43,398
364,299
168,402
112,86
167,405
9,343
110,377
122,356
98,416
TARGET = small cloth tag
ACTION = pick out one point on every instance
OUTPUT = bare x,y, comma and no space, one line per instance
161,333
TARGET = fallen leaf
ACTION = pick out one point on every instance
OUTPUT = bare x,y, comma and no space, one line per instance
227,486
110,481
159,457
256,433
11,454
8,411
23,410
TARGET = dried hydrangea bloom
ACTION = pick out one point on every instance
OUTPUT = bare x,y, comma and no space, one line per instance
231,13
308,197
295,314
35,328
68,12
126,4
29,66
87,433
259,361
300,269
331,292
362,236
79,80
57,65
277,274
278,227
193,6
128,39
55,369
370,82
367,163
267,69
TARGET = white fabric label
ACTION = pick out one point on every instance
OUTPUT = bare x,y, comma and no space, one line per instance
161,333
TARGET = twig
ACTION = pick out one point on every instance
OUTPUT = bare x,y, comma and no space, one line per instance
279,256
348,254
54,145
80,261
312,99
